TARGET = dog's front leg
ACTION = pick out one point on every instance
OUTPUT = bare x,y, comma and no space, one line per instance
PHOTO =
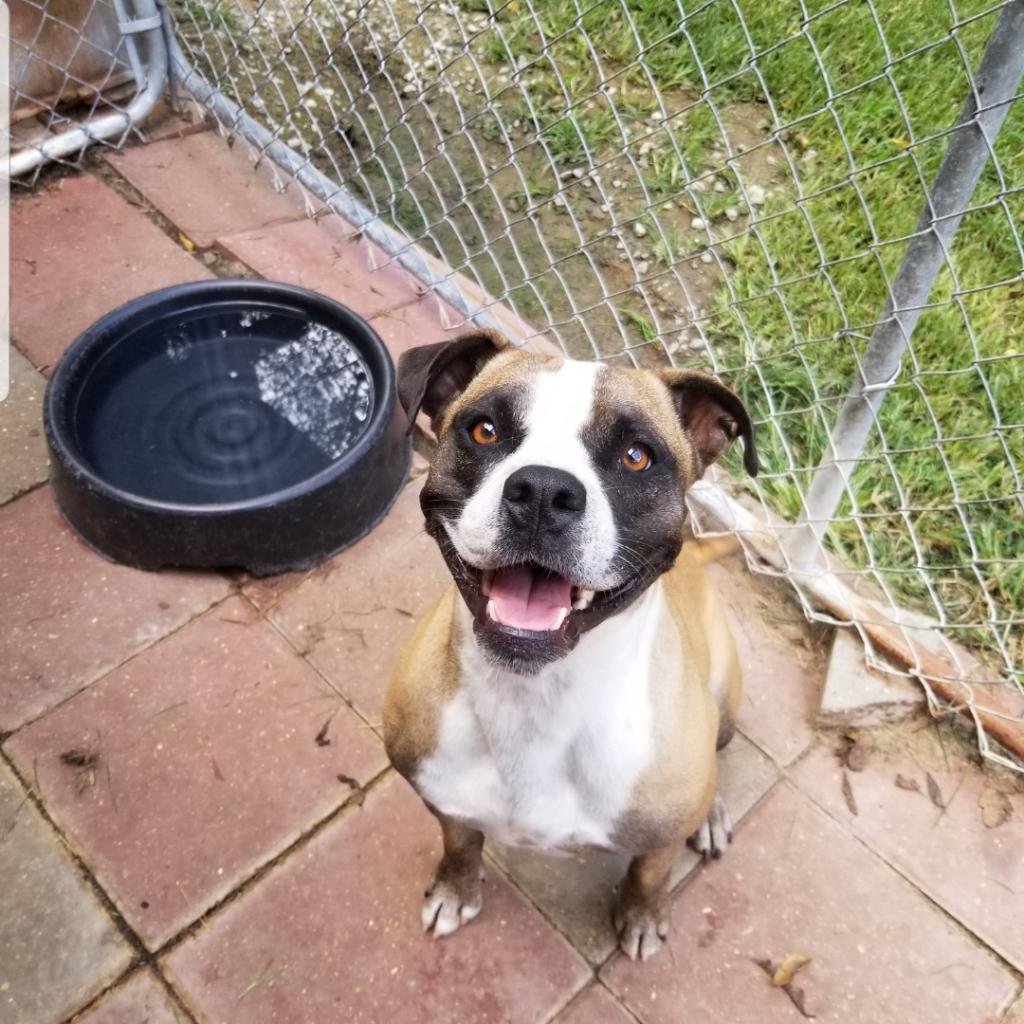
641,915
456,894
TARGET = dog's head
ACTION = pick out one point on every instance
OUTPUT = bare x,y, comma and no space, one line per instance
557,491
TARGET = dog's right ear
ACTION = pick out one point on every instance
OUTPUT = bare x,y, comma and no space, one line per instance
430,376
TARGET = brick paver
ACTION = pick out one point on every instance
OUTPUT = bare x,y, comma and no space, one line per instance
354,618
24,463
69,615
205,188
207,765
334,935
595,1006
323,256
974,871
139,1000
78,250
577,892
58,947
798,883
422,322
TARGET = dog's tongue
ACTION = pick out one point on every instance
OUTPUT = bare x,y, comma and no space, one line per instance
527,600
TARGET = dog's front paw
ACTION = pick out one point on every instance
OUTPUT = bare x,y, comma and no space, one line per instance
715,834
642,926
451,903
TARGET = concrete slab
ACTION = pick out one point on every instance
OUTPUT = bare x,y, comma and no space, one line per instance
139,1000
23,459
857,696
58,946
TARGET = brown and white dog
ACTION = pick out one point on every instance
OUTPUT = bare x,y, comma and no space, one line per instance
571,688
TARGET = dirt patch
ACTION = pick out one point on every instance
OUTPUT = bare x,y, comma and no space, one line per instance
604,213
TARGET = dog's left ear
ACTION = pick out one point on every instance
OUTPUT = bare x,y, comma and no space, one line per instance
430,376
712,416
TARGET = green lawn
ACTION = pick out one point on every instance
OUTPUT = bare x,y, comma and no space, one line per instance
944,472
940,516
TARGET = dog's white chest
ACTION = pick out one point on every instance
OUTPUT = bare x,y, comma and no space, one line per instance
550,760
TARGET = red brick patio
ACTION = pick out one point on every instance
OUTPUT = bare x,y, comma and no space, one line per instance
211,866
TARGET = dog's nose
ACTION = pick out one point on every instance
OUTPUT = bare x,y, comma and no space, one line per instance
542,498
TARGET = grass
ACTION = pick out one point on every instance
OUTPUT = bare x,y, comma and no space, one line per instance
216,16
789,324
937,468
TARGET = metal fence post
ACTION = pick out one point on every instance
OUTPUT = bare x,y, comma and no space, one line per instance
970,145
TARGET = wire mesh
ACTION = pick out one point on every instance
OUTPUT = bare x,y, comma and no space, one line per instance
724,184
79,74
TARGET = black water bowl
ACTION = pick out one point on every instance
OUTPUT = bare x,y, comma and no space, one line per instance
225,423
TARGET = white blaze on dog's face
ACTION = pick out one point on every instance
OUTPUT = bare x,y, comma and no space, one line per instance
557,491
554,408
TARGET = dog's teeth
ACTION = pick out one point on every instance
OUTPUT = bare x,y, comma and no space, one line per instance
492,612
583,599
562,614
485,582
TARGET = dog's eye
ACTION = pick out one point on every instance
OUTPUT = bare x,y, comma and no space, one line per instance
636,457
484,432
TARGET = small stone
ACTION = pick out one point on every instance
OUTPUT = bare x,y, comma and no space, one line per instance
642,267
616,183
699,186
697,344
771,161
756,195
810,156
720,185
731,213
705,257
640,230
697,223
646,147
657,116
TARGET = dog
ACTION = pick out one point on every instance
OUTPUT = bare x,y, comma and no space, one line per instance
571,687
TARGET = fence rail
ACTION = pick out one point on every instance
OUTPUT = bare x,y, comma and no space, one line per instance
80,73
820,200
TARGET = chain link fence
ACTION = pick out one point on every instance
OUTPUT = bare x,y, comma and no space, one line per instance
80,73
821,201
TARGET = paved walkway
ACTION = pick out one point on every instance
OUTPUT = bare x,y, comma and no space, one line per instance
197,818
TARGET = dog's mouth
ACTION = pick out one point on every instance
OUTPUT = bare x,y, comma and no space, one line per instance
532,600
531,597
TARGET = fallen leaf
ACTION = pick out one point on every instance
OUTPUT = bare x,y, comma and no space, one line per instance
996,808
321,738
787,969
911,785
186,243
80,758
358,793
934,792
851,800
